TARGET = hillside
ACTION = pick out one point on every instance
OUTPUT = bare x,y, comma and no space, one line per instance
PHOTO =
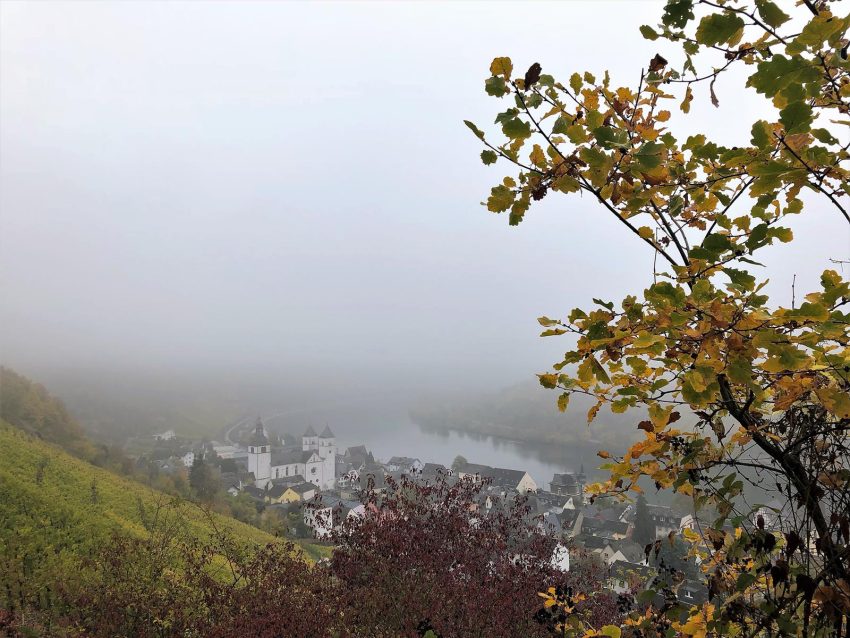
29,407
56,509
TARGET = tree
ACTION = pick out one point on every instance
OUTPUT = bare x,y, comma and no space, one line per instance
202,479
766,384
459,463
431,557
644,532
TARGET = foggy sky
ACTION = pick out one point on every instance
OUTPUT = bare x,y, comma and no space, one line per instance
288,188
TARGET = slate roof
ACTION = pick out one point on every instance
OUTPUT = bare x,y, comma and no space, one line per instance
551,499
303,488
604,528
566,480
431,470
505,477
276,491
692,592
500,476
295,479
310,431
327,434
291,456
259,436
631,550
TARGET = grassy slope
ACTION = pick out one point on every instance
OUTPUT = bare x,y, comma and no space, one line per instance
61,509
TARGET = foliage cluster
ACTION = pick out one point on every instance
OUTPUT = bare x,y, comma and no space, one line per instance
766,385
425,560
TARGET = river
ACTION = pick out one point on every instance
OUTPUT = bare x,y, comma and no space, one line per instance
388,433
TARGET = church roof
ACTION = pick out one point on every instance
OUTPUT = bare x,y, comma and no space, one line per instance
291,456
310,431
326,433
259,437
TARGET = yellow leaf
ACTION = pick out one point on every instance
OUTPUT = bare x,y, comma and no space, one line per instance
646,232
686,103
835,400
502,66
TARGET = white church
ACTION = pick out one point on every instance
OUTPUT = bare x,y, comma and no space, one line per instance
315,460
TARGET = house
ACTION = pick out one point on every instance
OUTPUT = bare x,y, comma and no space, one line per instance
667,520
555,501
692,592
227,451
627,551
501,477
404,464
188,459
298,493
601,528
625,576
431,471
319,515
561,558
600,546
358,457
168,435
569,484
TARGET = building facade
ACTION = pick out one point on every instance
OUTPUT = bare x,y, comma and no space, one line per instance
315,460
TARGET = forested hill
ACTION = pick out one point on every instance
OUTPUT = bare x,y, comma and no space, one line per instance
29,407
526,412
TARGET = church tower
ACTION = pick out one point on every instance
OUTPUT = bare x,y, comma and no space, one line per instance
327,444
260,456
310,440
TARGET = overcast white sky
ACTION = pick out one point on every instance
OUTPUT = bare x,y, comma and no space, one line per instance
290,185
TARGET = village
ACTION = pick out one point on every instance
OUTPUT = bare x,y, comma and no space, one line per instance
316,486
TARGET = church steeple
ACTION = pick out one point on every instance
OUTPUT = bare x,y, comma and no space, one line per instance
310,440
260,455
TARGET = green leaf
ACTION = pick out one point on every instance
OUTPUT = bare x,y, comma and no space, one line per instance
495,86
649,156
745,579
824,136
719,28
599,371
648,32
575,82
516,129
561,125
779,72
717,243
489,157
501,199
563,401
677,13
771,14
610,137
741,278
796,117
761,134
478,133
820,28
612,631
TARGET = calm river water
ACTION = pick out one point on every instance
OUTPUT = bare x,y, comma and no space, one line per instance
393,433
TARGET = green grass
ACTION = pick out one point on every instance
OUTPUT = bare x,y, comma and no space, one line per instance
65,499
